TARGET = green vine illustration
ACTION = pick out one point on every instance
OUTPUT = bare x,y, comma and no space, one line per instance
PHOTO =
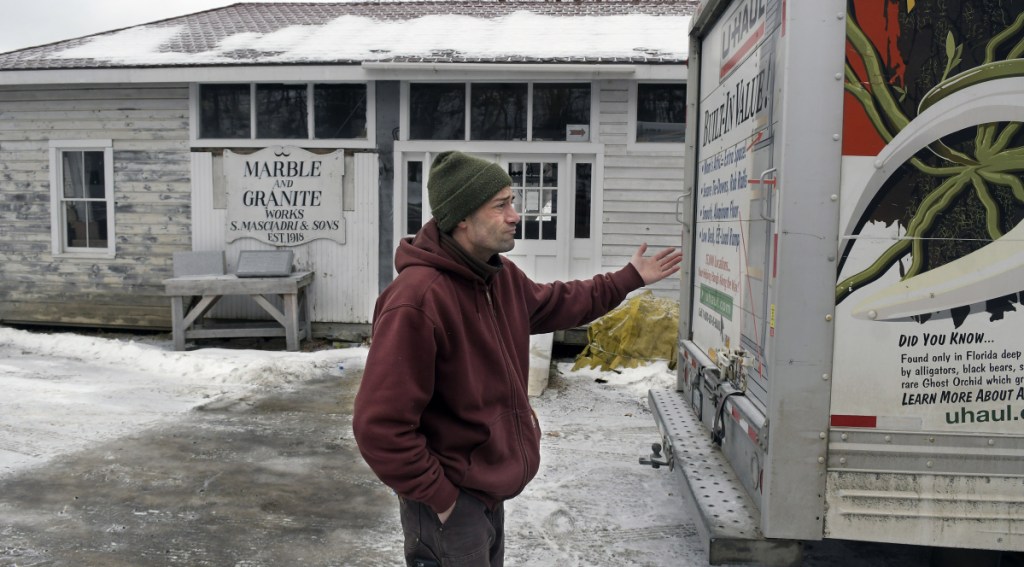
985,171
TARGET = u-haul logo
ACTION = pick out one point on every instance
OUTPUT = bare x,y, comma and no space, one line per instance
744,28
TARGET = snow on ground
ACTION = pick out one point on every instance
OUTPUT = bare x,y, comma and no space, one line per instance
591,503
80,389
64,391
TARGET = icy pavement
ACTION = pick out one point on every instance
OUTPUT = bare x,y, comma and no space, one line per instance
118,451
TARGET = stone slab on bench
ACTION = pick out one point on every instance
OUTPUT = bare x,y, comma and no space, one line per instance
199,263
264,263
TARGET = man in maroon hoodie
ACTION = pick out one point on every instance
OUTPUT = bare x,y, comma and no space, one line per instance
442,415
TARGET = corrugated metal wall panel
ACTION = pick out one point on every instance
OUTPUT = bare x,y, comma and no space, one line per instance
207,222
346,284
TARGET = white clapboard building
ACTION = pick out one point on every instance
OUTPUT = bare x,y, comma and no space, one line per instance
311,126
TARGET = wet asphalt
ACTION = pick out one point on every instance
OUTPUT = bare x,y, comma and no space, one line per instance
272,480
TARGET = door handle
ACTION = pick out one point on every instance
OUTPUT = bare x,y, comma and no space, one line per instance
767,190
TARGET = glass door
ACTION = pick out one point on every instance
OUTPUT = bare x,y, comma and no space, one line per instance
542,238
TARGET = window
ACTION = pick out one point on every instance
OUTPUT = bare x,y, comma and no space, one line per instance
535,195
267,111
558,106
584,187
414,197
281,111
499,111
81,197
661,113
224,111
437,111
339,111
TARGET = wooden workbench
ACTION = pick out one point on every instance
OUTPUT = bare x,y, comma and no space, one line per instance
291,289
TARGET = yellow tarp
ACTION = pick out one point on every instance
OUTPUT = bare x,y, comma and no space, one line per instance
637,332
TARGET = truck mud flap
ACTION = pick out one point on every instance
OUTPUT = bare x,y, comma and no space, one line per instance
726,517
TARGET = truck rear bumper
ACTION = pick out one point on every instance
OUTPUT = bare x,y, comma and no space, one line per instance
726,517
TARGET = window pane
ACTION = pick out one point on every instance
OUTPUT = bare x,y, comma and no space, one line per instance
498,111
532,205
582,229
549,202
339,111
437,111
549,229
83,175
515,171
75,226
97,224
518,200
73,176
224,111
414,197
94,185
550,174
86,224
556,106
532,175
532,229
660,113
281,111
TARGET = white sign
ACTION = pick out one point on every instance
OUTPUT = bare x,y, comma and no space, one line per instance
284,196
577,132
733,113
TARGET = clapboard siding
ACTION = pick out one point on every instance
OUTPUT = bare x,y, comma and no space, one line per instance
640,187
148,125
644,230
638,217
113,105
85,133
57,312
72,124
118,114
635,207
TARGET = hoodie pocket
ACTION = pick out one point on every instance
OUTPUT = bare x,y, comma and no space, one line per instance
502,465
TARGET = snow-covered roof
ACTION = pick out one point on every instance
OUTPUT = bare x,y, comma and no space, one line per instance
433,31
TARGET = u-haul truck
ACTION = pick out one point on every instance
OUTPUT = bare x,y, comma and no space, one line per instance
851,353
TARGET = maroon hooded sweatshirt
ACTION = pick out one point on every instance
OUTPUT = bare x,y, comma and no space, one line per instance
443,402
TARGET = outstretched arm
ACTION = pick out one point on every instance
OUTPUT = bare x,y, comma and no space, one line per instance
657,267
563,305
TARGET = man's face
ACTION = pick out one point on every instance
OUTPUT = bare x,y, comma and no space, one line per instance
490,229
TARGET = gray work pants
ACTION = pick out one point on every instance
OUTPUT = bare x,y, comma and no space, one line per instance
473,536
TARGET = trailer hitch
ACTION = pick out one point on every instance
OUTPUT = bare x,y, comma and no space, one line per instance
656,460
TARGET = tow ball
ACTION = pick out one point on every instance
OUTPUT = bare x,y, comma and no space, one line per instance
656,459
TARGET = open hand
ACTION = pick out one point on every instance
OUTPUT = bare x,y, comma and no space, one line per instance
657,267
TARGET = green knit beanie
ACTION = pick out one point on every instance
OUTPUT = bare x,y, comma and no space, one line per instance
459,184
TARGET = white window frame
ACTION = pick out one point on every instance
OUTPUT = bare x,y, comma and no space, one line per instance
369,142
404,118
58,224
651,147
